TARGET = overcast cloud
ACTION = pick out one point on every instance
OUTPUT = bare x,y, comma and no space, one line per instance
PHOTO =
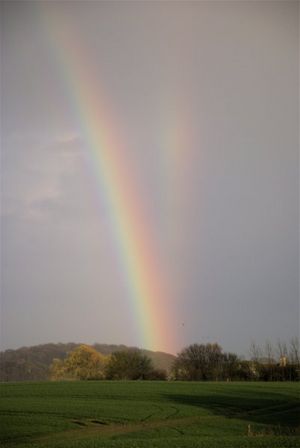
206,98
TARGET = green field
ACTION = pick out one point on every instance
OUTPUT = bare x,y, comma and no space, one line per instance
149,415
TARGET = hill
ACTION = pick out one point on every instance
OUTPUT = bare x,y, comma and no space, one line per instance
32,363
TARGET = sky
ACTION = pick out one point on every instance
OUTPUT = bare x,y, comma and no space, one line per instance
149,173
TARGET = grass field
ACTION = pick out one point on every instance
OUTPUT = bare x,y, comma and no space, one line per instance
149,415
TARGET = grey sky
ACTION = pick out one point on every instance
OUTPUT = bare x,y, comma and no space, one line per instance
206,97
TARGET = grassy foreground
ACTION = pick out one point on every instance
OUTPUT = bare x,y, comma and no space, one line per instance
149,415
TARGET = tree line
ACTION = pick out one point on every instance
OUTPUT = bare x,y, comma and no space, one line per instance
33,363
196,362
86,363
208,362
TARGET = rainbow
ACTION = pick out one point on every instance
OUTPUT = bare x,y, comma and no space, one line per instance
149,289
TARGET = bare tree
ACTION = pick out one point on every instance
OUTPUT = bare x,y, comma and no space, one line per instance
282,351
269,352
294,351
255,352
199,362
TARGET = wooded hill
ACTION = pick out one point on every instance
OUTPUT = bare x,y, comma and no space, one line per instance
32,363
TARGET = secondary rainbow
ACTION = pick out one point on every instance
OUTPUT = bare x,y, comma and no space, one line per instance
149,291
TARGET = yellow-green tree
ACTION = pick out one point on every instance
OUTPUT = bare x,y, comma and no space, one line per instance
83,363
58,369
